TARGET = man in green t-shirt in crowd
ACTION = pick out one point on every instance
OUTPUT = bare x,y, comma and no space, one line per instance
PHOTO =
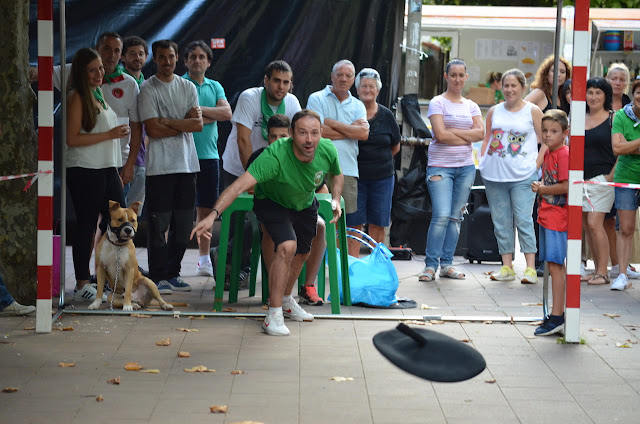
286,176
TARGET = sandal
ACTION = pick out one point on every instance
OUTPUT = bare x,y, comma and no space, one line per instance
427,274
587,277
449,271
599,280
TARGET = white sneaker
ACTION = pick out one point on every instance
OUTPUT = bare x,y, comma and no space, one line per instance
273,325
16,309
505,274
87,292
620,283
295,312
632,274
206,269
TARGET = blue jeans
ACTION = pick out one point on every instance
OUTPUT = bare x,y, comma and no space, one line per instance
511,203
449,195
5,297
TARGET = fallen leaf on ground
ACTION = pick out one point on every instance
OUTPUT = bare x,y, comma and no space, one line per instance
184,355
602,334
625,344
187,330
488,273
465,340
132,366
424,306
198,368
219,409
463,321
436,321
341,378
536,323
200,317
164,342
611,315
487,322
596,329
99,398
493,380
184,304
237,372
530,337
228,310
265,307
66,364
141,315
631,341
115,381
531,304
29,328
69,328
632,326
152,371
10,390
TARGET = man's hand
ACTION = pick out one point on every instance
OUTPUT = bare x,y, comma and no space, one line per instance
126,174
203,229
337,213
361,123
194,112
535,186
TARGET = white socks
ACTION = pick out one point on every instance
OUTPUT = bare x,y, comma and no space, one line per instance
274,311
204,259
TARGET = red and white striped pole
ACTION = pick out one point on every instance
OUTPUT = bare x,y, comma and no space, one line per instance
45,163
581,50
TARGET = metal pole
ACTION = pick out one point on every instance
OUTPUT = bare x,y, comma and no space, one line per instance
411,68
63,156
556,52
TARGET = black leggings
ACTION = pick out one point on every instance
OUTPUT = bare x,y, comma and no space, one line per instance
91,190
169,204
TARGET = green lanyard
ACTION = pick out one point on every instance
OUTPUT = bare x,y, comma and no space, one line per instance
97,94
267,112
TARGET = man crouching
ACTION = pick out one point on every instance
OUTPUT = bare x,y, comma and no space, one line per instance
286,176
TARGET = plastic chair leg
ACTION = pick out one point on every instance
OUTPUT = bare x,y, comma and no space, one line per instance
255,256
236,258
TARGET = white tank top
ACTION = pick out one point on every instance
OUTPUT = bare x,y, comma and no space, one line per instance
513,146
105,154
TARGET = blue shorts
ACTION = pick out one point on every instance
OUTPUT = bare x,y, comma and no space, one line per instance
374,202
553,246
627,198
207,189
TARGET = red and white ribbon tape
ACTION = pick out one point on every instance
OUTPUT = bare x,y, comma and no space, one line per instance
610,184
35,176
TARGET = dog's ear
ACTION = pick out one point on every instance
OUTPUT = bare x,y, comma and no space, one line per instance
113,205
136,207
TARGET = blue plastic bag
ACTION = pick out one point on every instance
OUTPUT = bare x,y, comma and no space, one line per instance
373,279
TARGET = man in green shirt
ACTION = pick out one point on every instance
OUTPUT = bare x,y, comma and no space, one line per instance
286,175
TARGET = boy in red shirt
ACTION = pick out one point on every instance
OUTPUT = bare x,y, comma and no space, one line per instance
552,213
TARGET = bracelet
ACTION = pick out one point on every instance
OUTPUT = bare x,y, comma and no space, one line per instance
216,211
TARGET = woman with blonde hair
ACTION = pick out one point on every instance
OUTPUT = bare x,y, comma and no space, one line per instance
542,87
618,76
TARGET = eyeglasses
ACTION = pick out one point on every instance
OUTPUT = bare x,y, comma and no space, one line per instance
373,75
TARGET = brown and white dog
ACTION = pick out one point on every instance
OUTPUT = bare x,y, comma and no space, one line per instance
116,250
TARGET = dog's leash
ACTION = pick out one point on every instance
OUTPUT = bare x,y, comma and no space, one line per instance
115,282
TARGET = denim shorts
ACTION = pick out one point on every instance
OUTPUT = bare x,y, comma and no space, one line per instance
207,189
553,246
374,202
627,198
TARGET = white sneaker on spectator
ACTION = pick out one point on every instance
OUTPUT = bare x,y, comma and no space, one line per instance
292,310
273,325
620,283
16,309
87,292
632,274
205,269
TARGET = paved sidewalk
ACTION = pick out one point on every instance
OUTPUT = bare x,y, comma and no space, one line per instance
287,379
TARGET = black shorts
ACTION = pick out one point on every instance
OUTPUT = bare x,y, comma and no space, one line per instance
207,190
284,224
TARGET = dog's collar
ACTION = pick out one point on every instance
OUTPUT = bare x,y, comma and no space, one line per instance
116,244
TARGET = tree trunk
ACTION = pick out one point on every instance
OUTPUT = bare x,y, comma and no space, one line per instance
18,155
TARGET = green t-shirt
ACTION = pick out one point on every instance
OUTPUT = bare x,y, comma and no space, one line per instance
283,178
628,167
207,140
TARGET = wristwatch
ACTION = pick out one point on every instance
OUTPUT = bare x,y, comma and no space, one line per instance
334,204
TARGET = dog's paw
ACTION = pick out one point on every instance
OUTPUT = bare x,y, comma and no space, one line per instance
127,308
95,304
136,306
167,306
